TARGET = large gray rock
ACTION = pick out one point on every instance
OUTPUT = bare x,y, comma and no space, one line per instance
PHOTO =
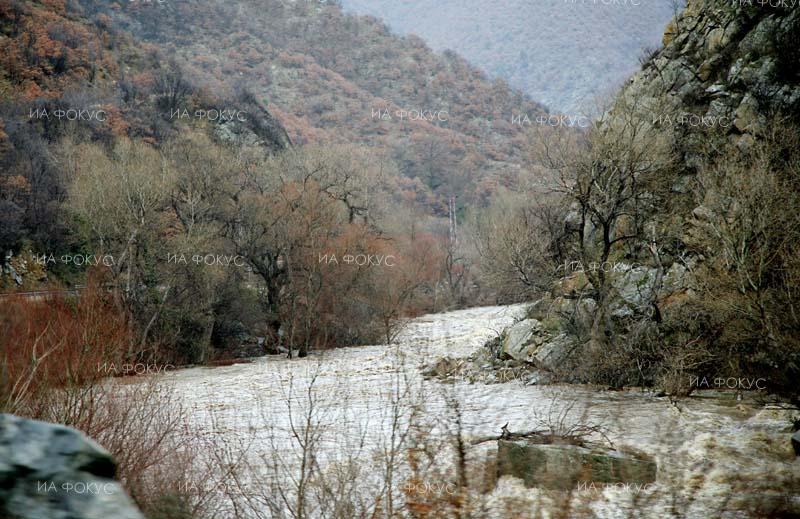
528,341
796,443
634,289
552,353
8,268
676,278
722,59
50,471
520,337
563,467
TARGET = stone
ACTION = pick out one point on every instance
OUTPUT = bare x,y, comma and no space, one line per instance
717,90
552,354
518,337
796,443
55,472
562,306
633,288
563,467
682,185
443,368
527,341
747,114
8,268
538,378
720,38
702,213
676,278
572,284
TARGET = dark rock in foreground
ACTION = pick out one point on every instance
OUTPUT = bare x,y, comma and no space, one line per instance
565,467
50,471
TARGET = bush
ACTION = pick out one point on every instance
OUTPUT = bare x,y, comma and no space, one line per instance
57,343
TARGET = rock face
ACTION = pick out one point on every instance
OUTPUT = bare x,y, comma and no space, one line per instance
50,471
260,128
565,467
633,288
730,62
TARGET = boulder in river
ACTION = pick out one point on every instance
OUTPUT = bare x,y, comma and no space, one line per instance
50,471
565,467
520,339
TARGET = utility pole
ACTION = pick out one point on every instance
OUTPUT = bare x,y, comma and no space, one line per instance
453,223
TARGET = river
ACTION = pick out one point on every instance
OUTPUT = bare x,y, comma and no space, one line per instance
714,452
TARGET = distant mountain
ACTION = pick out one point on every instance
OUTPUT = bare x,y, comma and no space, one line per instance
564,53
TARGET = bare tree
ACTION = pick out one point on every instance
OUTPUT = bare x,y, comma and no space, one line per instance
172,88
615,181
520,243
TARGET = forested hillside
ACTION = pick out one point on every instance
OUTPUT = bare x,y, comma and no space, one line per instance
330,77
285,183
563,53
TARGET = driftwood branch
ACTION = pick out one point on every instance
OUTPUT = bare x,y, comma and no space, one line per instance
505,434
575,436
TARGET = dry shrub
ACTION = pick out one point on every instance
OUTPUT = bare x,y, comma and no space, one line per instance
170,469
441,480
53,351
57,343
747,226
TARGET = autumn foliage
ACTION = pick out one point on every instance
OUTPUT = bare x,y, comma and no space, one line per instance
141,186
45,52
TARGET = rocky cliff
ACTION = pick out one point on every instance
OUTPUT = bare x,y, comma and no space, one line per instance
733,66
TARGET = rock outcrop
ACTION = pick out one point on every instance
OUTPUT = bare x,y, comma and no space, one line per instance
565,467
50,471
528,341
731,64
253,125
525,352
20,272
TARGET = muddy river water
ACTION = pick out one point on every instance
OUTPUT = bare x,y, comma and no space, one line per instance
714,451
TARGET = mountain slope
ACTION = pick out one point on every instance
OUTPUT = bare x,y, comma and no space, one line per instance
562,53
738,64
701,221
331,77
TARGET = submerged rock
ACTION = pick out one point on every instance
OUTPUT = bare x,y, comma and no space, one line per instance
444,368
565,467
50,471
